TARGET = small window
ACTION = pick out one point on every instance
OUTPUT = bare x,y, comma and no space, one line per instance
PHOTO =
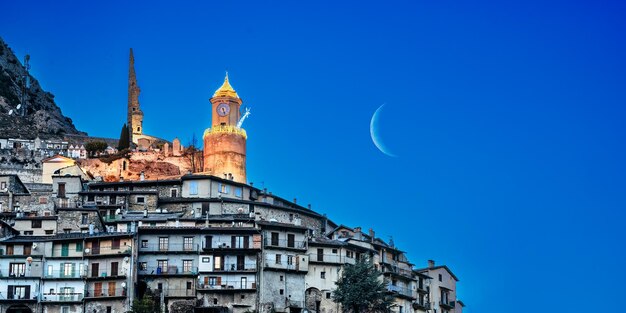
224,188
290,260
189,284
282,291
28,232
238,192
36,223
328,295
141,200
91,198
143,266
206,260
49,232
323,275
84,218
278,257
193,188
144,243
79,247
282,278
440,277
335,251
173,193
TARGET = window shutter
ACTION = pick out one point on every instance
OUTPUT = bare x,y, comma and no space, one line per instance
73,269
232,242
219,280
27,293
246,242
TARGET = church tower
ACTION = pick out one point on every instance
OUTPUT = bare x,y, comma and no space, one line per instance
135,116
225,141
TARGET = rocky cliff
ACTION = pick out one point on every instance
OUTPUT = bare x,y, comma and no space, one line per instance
42,117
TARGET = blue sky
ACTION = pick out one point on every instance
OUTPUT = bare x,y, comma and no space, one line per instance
507,116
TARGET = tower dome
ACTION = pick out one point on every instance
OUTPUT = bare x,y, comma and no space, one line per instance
226,90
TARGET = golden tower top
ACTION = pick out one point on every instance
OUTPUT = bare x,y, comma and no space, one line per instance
226,90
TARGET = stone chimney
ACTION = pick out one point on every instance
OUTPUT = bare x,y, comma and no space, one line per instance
372,234
357,233
431,263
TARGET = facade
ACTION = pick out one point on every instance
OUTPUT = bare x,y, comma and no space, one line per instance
440,292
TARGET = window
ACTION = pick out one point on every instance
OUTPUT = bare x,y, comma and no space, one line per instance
188,243
9,249
291,217
143,266
278,256
189,285
239,242
112,199
320,255
36,224
290,260
27,249
244,283
187,266
49,231
141,200
274,239
114,268
291,240
109,309
218,263
3,186
144,243
282,291
67,269
162,264
193,188
84,218
213,281
17,269
79,246
91,198
206,260
282,278
323,275
238,192
328,295
28,232
224,188
335,251
61,191
163,243
115,244
173,193
440,277
65,309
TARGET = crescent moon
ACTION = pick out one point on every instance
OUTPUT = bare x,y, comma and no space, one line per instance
375,138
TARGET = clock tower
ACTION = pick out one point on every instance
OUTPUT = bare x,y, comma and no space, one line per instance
225,141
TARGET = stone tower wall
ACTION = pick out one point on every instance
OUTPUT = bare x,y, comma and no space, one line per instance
225,153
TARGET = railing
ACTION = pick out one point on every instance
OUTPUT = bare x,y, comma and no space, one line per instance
449,304
170,270
70,252
225,129
21,297
232,267
227,284
105,272
421,305
66,203
330,258
401,290
282,243
176,292
397,270
172,247
63,274
63,297
105,292
227,245
103,250
270,262
7,272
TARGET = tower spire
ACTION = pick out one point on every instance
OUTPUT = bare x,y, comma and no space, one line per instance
135,116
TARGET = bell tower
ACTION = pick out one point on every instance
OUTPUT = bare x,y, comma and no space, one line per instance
135,115
225,141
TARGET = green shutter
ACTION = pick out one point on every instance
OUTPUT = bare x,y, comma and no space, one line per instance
79,246
62,270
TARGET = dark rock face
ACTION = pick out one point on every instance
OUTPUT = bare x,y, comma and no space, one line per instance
42,117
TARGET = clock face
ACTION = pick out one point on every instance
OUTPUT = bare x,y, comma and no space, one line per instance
223,109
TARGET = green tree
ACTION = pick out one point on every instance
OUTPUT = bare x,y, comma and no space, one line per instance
94,147
124,142
149,303
360,290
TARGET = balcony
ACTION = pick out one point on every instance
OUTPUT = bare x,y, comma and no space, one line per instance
234,284
395,270
222,246
449,305
61,274
284,264
65,297
169,248
18,273
107,250
27,297
286,244
245,267
401,291
104,273
104,293
421,306
330,258
177,293
168,271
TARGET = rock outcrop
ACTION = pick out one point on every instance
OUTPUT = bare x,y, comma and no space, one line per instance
42,117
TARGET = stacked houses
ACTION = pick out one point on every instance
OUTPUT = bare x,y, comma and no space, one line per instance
213,243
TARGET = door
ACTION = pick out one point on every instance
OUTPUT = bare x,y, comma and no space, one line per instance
114,269
111,289
61,191
95,247
320,255
291,240
97,289
274,239
65,249
240,262
208,242
95,268
244,283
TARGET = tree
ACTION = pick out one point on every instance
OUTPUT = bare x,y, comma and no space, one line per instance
359,289
95,147
194,155
149,303
124,142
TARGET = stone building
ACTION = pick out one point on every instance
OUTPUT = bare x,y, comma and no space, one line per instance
440,295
